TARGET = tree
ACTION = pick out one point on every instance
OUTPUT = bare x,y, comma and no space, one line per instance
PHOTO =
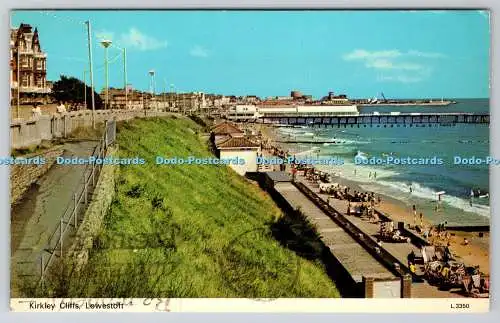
70,89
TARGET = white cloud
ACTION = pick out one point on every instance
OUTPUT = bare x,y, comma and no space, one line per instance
133,39
396,66
401,79
199,51
386,64
360,54
136,39
425,54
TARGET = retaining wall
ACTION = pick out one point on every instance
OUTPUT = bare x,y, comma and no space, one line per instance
25,133
23,176
94,215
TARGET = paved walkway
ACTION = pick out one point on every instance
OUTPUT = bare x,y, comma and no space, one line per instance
398,250
349,252
36,217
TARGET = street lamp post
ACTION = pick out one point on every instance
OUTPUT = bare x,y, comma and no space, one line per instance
85,88
173,96
91,71
125,76
106,44
164,95
152,85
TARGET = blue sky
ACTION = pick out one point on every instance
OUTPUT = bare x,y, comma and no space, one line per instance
359,53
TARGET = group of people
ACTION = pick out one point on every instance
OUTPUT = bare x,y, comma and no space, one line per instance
365,197
36,111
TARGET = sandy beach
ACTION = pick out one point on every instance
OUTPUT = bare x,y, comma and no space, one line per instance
475,253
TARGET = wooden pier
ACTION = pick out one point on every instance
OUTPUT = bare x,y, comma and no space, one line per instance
386,119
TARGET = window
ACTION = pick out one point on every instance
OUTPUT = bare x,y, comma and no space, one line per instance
24,80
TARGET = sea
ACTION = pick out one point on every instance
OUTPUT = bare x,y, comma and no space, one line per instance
410,184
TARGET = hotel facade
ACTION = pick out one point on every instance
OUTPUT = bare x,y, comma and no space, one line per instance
28,72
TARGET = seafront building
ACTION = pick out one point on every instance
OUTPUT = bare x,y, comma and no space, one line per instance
231,143
296,105
28,72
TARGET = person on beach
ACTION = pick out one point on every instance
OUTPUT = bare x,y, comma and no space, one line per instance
375,175
466,242
411,189
379,200
421,219
413,269
414,215
370,175
354,171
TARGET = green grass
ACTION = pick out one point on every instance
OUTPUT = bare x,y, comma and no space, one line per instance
189,230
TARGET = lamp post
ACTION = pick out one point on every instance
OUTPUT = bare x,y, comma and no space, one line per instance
106,44
152,85
91,71
164,95
174,96
85,88
125,76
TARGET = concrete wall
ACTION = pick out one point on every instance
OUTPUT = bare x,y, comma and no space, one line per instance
100,202
31,132
22,176
387,289
250,157
382,288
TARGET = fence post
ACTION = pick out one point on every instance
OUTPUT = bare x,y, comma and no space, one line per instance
74,210
65,130
61,236
85,190
93,175
105,134
41,267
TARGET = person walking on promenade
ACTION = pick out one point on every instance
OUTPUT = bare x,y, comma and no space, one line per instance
61,109
36,112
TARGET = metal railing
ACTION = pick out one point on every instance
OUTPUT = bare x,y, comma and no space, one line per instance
69,221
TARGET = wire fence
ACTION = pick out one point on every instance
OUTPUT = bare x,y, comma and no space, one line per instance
71,219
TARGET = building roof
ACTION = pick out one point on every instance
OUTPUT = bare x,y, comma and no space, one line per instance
226,128
237,142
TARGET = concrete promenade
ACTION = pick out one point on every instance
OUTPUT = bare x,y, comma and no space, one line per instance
349,252
398,250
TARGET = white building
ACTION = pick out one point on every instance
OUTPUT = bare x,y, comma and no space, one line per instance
243,148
